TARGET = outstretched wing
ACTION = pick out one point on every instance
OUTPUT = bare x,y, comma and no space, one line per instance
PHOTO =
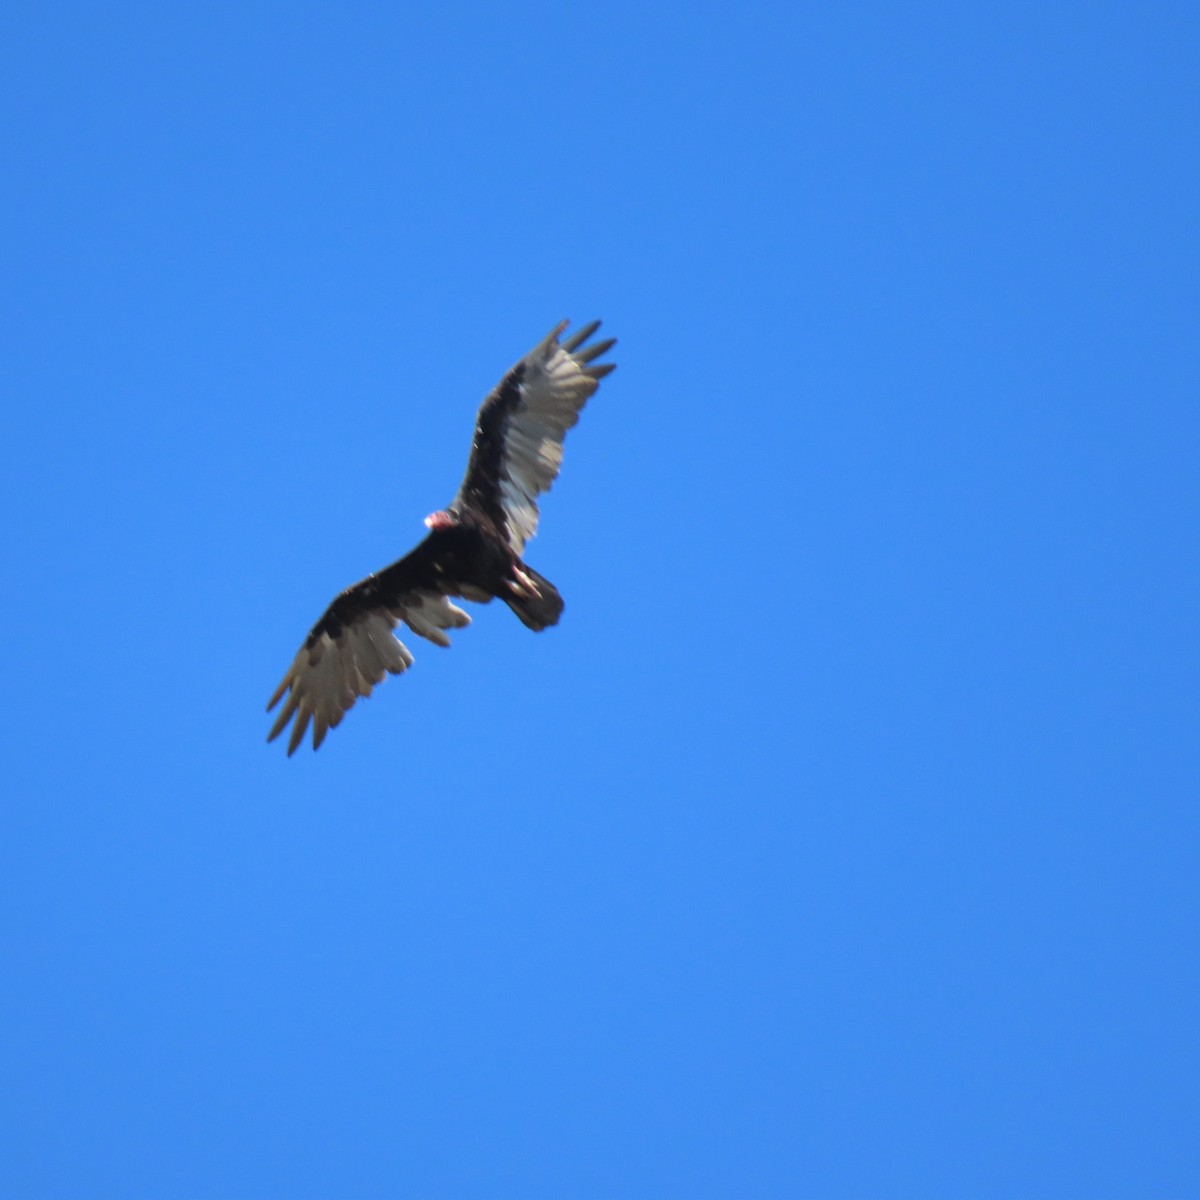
520,428
352,646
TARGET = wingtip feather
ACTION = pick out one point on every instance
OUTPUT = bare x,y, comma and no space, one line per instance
580,335
278,694
587,353
551,339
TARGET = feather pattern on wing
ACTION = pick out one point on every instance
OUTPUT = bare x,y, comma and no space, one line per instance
352,647
518,446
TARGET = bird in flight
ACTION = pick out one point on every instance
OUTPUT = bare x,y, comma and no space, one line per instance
473,549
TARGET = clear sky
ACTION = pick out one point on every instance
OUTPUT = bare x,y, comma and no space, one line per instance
842,840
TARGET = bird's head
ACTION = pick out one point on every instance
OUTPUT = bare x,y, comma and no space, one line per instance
439,520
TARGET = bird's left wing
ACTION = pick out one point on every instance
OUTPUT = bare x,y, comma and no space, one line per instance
518,445
352,647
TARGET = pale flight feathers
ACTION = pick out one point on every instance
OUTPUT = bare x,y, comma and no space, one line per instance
519,437
327,677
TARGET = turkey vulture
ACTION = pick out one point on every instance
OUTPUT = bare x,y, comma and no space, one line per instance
473,549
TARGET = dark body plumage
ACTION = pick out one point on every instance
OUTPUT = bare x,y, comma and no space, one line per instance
473,550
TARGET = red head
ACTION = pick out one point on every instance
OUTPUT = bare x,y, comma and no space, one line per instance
440,520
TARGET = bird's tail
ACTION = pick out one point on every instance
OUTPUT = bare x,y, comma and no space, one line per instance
533,598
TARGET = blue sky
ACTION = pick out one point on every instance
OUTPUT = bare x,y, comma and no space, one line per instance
842,840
